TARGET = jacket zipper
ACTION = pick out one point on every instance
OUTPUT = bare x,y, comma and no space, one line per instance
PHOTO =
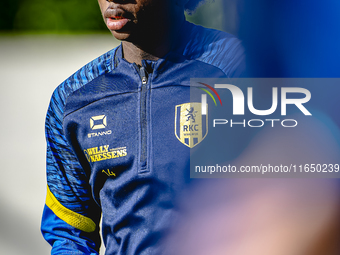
143,120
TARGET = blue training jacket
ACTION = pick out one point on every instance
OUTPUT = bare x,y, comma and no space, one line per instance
112,151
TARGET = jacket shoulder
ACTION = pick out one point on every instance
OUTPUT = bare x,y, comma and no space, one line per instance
216,48
99,66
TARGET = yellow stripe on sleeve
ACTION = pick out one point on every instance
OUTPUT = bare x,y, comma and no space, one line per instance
74,219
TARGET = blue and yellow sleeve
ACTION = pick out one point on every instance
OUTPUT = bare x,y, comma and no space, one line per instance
70,221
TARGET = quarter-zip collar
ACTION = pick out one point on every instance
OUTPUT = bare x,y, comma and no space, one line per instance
148,64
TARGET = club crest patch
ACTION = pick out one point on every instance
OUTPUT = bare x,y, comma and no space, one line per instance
191,126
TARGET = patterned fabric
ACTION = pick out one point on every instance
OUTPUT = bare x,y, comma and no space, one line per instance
106,129
65,176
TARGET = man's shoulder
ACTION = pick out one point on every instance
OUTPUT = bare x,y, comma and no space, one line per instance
97,67
214,47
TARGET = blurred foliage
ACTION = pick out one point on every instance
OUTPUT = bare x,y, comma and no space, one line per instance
51,16
64,16
208,15
8,10
218,14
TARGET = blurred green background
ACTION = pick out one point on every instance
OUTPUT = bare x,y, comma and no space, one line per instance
77,16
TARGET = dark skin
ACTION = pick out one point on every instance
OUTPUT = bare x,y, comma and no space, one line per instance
147,28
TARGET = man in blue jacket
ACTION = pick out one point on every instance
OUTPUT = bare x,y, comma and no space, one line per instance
112,150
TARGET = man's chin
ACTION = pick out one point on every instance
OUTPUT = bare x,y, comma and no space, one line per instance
122,36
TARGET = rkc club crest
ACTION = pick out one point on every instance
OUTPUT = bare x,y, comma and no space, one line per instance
191,126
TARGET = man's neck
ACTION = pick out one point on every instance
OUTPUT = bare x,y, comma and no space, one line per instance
135,54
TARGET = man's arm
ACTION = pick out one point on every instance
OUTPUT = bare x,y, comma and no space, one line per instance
70,221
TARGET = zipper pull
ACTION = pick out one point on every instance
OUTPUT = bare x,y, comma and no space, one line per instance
143,75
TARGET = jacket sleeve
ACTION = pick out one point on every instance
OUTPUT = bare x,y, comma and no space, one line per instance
70,221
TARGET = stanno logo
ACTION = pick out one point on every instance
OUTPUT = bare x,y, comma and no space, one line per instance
98,122
191,125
